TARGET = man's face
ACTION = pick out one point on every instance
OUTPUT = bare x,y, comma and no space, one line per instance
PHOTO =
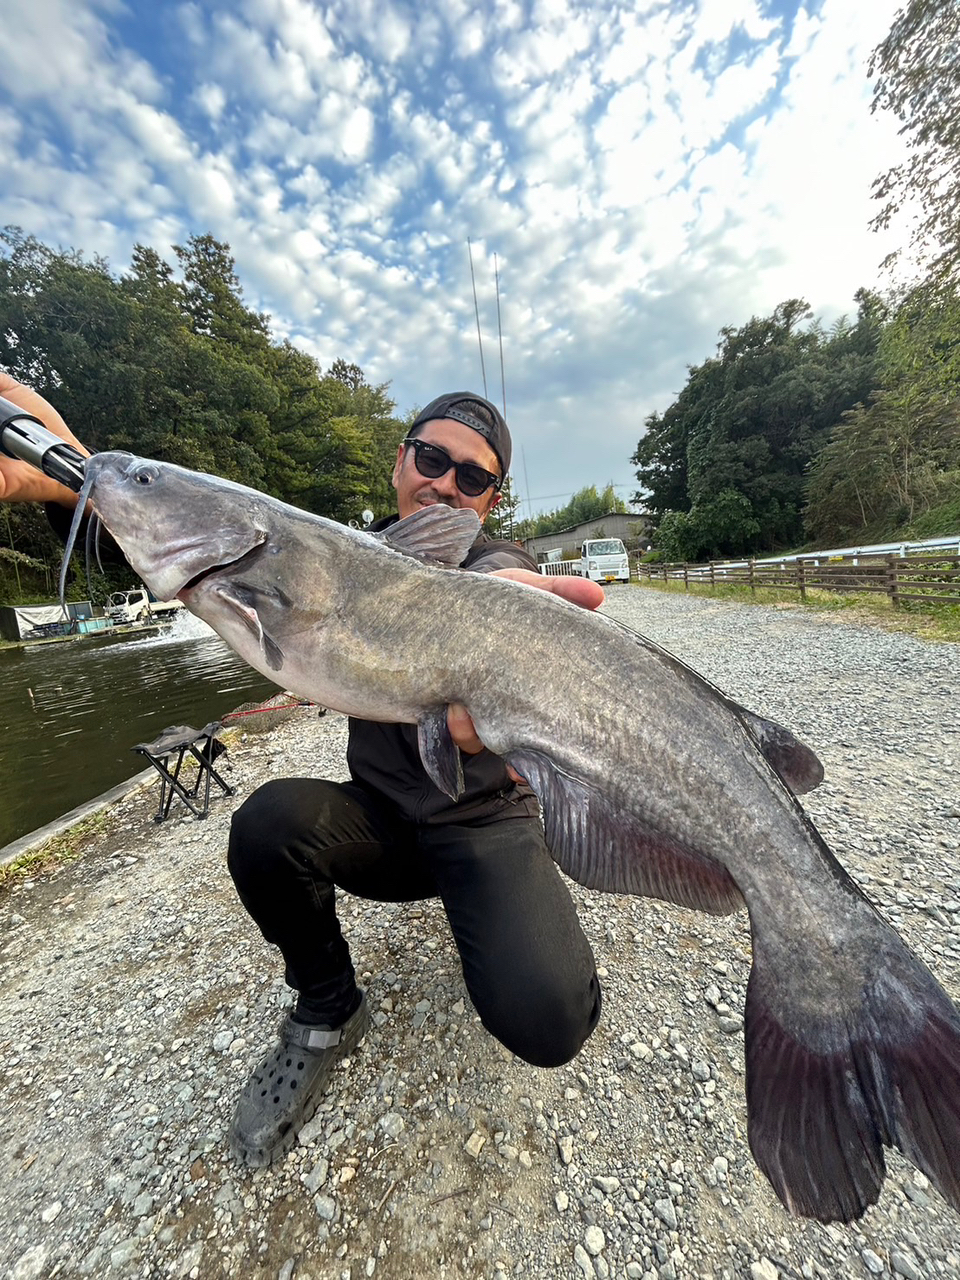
463,444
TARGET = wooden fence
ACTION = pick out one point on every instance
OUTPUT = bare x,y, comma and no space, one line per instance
930,578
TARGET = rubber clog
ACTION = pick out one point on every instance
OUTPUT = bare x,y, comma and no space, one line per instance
284,1091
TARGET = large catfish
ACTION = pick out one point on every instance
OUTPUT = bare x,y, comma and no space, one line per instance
650,780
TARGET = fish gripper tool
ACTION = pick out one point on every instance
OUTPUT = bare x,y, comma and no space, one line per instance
24,437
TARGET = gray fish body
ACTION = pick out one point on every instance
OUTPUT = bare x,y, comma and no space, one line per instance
651,781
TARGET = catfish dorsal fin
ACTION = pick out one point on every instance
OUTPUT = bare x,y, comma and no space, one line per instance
436,534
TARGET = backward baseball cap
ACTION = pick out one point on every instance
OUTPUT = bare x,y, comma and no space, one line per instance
457,405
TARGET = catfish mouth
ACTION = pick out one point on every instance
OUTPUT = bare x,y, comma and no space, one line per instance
248,557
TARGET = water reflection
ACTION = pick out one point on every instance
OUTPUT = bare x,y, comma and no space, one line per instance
73,711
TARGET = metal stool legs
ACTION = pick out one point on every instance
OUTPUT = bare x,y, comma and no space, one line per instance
181,741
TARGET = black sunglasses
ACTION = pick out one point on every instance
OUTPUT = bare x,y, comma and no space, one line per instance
432,461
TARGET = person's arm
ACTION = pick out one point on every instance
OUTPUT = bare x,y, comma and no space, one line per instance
19,482
582,591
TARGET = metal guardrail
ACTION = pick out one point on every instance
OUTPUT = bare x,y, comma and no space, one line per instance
950,544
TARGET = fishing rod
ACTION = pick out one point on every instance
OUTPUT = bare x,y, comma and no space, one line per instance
24,437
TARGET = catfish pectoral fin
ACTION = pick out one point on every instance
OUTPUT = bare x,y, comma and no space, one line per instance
603,848
439,753
824,1099
271,652
242,599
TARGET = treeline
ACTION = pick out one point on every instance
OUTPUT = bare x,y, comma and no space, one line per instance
793,434
182,370
586,504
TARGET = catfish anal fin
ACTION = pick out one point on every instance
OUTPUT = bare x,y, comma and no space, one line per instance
439,753
615,852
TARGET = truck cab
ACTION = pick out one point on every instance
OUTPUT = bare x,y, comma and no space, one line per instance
136,604
604,560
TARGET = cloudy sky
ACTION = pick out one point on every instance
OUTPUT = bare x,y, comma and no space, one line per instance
644,172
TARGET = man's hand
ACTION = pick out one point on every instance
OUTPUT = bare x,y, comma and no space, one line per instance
581,591
20,482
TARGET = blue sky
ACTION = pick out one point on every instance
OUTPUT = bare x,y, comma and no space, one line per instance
645,173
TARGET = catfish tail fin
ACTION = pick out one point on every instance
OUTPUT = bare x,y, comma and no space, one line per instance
826,1094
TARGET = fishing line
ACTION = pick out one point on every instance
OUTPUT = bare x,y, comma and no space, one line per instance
256,711
476,309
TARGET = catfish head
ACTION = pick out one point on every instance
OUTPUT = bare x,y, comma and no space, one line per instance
217,546
174,526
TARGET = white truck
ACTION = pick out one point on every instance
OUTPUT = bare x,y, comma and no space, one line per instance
137,604
604,560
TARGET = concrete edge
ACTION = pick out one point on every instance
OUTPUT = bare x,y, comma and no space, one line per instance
17,848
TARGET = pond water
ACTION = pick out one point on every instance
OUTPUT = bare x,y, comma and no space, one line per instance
70,713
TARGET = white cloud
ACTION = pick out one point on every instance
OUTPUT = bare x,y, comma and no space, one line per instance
356,134
211,99
638,169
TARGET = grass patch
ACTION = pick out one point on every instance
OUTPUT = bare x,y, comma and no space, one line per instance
930,622
55,853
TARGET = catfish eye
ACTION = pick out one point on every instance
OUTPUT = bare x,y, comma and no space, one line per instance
145,473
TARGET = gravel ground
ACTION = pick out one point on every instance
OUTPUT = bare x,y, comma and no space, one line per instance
136,996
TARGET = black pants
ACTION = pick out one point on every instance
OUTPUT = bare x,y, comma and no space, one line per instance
528,968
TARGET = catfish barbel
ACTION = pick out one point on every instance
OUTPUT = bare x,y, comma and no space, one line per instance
650,780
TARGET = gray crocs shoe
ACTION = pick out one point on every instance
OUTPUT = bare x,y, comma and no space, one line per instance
285,1090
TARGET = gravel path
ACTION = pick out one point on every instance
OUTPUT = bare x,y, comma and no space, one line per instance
136,996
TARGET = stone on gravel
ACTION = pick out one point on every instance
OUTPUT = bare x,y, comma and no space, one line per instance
594,1241
31,1264
583,1261
474,1144
666,1212
901,1265
763,1270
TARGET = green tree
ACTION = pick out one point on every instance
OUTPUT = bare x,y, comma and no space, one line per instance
366,412
503,522
896,456
586,504
661,458
708,530
351,375
68,331
918,78
730,455
183,371
213,298
121,360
